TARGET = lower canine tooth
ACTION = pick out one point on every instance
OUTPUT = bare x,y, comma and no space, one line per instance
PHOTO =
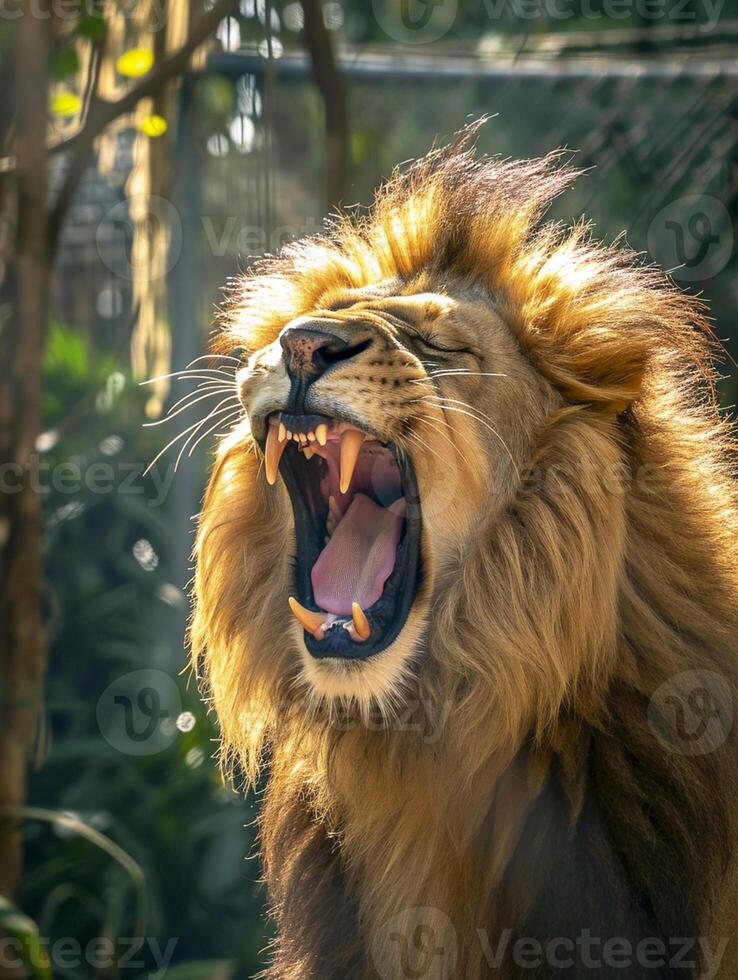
361,623
311,621
308,453
351,442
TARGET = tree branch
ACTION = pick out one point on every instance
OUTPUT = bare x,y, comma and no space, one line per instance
103,112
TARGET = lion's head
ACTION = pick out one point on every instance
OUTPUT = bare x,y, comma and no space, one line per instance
464,430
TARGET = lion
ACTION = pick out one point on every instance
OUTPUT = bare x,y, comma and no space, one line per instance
465,590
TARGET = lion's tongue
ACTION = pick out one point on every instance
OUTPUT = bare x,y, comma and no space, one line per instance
359,557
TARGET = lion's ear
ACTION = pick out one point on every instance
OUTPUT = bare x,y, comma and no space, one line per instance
594,364
591,319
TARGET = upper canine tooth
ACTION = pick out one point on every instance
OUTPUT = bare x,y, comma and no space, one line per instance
351,442
311,621
321,433
273,453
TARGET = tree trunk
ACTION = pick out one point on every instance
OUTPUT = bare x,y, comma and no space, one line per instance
332,88
22,641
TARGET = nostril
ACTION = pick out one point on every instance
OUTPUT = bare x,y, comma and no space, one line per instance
333,356
308,352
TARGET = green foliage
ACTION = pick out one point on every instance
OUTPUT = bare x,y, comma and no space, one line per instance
24,930
114,608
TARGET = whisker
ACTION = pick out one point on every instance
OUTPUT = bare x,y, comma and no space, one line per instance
208,386
460,372
233,415
495,433
446,436
421,442
170,415
176,439
215,412
471,408
212,372
209,357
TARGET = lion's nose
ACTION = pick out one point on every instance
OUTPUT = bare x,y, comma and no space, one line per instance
309,352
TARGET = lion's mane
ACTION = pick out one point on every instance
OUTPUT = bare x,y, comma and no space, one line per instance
547,804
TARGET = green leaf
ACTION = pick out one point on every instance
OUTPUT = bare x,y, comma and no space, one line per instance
23,929
66,63
202,970
91,27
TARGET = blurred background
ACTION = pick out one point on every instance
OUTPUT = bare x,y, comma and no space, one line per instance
150,150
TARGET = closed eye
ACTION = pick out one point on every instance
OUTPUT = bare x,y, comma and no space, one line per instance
429,341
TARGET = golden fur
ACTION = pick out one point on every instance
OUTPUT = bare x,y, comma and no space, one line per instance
579,549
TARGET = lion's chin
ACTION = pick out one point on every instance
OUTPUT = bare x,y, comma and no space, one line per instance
381,681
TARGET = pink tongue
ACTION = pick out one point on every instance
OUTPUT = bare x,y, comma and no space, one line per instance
360,556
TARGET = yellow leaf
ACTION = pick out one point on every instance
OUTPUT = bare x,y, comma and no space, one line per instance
65,104
153,126
135,62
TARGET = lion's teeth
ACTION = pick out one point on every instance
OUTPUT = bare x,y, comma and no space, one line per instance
311,621
282,432
311,436
303,438
308,453
321,433
361,623
272,454
296,436
288,433
351,442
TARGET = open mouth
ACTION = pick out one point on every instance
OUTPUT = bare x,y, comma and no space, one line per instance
357,526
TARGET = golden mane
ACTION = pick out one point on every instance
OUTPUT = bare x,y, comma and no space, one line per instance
613,568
